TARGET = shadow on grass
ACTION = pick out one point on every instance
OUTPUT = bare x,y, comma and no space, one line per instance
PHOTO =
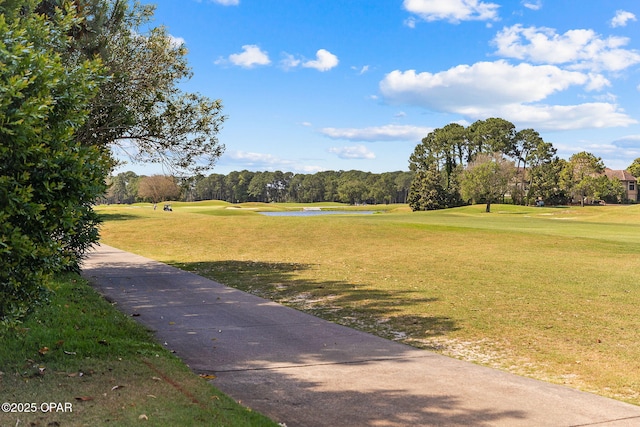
376,311
115,217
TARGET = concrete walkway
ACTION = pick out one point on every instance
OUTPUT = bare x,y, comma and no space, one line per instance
304,371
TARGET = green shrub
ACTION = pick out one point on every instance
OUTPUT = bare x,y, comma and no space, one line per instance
48,180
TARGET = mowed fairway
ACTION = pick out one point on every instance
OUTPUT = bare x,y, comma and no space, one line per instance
551,293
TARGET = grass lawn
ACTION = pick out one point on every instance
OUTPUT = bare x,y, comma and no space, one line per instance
99,367
551,293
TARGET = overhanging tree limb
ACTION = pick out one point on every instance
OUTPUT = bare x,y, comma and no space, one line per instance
142,101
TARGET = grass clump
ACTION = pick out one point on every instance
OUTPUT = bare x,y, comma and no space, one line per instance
102,368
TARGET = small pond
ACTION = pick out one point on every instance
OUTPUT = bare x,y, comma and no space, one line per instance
316,213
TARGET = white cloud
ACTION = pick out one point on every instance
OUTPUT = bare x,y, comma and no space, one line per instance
253,158
378,133
483,83
607,97
597,82
361,70
289,61
324,61
176,42
558,117
354,152
263,161
579,49
622,18
451,10
499,89
533,5
410,22
227,2
251,56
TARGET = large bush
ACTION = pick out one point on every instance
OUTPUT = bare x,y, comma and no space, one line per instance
48,180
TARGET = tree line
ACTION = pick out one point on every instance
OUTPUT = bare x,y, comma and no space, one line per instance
353,187
490,161
487,178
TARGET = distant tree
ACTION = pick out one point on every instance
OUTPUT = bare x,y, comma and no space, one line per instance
447,151
187,185
449,147
382,188
258,186
426,192
123,188
438,170
493,135
312,189
278,186
269,186
578,177
487,179
158,188
211,187
608,189
530,152
540,159
634,168
352,187
295,186
330,185
237,184
544,182
403,185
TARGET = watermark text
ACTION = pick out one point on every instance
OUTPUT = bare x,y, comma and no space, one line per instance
26,407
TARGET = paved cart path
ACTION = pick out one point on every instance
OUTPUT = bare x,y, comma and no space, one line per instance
304,371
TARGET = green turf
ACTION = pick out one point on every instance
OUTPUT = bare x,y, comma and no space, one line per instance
550,293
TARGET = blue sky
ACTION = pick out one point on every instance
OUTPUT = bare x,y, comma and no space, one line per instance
311,85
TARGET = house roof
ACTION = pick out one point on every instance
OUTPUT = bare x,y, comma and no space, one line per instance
622,175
